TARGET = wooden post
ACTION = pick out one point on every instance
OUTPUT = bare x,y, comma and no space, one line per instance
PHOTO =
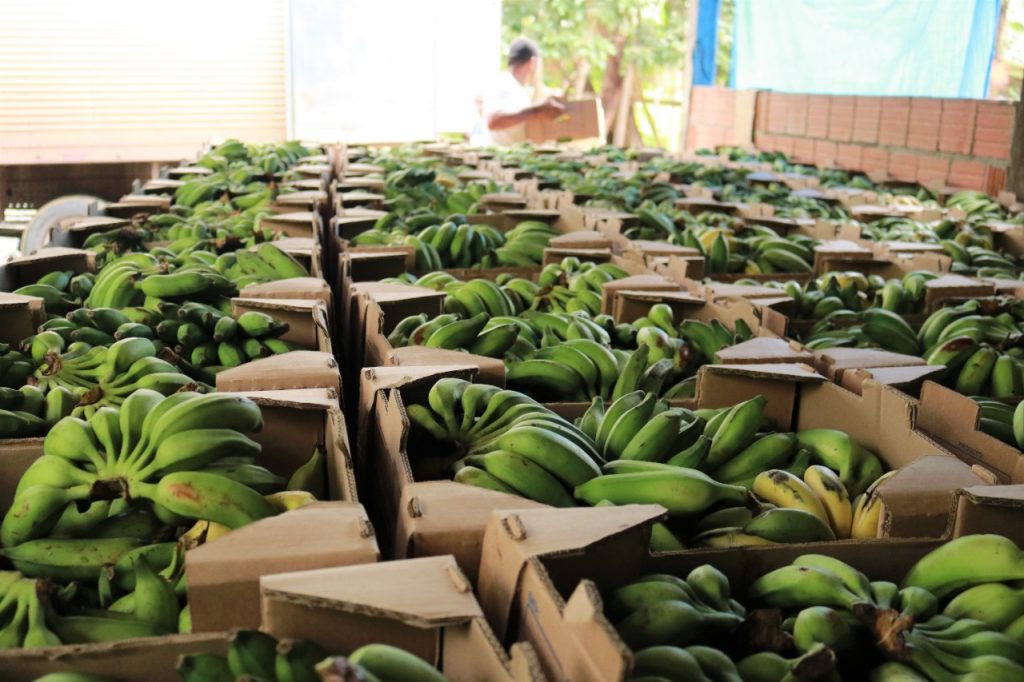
1015,175
690,40
623,114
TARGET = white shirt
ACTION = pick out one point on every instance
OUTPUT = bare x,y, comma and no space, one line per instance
507,96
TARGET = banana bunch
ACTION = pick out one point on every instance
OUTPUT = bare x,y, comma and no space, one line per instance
181,458
15,366
753,250
255,655
1001,420
977,205
500,440
444,245
980,261
869,328
23,614
61,290
953,617
977,342
119,240
28,411
791,509
206,338
383,662
92,377
890,228
655,224
579,369
658,614
837,294
690,462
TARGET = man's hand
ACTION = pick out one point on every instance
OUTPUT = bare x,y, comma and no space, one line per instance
550,109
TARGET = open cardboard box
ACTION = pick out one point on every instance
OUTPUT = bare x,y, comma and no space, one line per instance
294,224
223,576
20,316
952,419
425,606
152,659
543,572
297,369
425,515
422,514
24,270
307,318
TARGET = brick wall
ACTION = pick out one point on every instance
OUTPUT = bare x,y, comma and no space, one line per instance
712,117
937,142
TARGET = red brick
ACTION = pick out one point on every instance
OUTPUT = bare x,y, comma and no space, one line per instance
892,126
997,109
992,150
925,104
840,118
849,156
874,160
955,139
866,117
784,144
895,103
1002,135
817,124
796,114
932,171
803,149
902,166
967,174
825,153
777,112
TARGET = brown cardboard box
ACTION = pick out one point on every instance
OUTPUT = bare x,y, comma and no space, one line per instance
582,119
223,575
425,606
952,419
20,316
543,571
24,270
307,319
420,515
295,224
152,659
298,369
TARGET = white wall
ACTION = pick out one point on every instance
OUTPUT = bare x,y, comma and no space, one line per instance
389,70
123,80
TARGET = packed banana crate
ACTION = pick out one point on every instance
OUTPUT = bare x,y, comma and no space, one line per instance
684,379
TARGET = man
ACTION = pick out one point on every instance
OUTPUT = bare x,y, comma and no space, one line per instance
508,108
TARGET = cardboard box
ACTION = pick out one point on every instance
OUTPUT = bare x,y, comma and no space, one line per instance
152,659
582,119
308,322
952,419
295,224
298,369
20,316
420,513
425,606
24,270
543,572
223,575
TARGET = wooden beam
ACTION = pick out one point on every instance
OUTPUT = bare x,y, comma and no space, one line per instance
690,40
1015,173
624,115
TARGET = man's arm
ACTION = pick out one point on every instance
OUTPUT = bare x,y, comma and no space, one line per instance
500,120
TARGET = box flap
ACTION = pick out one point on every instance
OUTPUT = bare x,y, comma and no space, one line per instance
446,517
764,349
951,419
295,287
513,538
97,223
990,509
298,369
490,370
223,576
905,378
426,593
918,496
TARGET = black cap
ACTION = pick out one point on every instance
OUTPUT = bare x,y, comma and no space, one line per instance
521,51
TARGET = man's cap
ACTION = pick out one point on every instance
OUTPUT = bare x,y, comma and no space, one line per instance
521,51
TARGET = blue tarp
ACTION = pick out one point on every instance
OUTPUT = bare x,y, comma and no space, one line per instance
924,48
707,43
